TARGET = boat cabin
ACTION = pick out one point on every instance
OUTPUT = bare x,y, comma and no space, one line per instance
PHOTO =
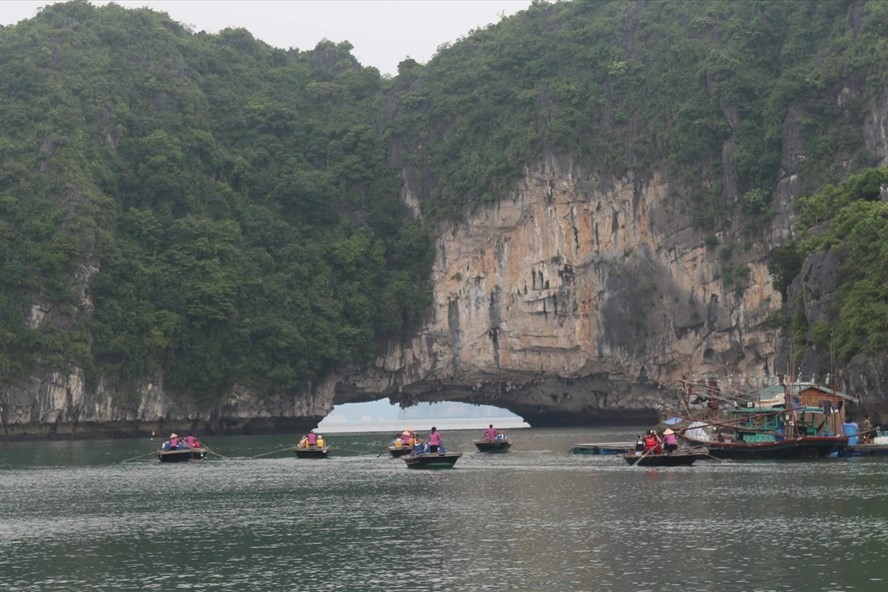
820,409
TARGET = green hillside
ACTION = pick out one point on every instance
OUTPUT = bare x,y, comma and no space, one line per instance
212,211
236,199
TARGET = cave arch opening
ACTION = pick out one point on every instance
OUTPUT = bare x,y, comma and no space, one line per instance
382,415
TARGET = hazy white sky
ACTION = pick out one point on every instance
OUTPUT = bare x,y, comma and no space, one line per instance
383,32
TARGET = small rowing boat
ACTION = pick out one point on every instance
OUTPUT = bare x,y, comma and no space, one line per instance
183,454
603,448
432,460
397,451
312,451
679,458
497,445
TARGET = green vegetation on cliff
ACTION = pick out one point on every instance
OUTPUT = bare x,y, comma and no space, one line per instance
208,211
716,92
234,199
851,221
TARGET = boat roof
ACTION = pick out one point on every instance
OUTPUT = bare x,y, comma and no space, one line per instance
777,390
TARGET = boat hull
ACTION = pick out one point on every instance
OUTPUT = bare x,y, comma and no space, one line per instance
432,460
493,445
866,450
664,459
807,447
311,451
398,451
181,455
602,449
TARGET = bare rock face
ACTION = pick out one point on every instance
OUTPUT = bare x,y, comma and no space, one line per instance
580,299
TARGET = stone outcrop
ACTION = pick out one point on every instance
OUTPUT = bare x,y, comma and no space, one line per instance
581,299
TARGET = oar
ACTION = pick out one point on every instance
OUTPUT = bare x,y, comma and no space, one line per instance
384,450
273,452
638,462
140,456
214,452
721,460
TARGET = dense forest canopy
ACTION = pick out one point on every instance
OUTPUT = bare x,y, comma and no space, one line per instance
631,86
235,200
212,211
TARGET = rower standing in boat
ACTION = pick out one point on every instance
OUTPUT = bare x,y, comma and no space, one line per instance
867,431
435,442
311,439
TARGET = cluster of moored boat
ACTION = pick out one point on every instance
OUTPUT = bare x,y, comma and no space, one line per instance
779,422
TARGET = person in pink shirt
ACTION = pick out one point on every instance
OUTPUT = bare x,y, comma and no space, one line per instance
670,442
172,443
434,440
190,441
490,433
312,438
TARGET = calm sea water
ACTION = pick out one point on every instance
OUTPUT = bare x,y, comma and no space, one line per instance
75,517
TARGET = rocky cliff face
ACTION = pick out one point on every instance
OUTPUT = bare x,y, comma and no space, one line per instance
579,298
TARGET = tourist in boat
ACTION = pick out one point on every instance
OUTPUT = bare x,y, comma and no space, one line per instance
670,442
303,442
435,442
652,443
320,441
406,437
867,430
639,443
172,443
490,434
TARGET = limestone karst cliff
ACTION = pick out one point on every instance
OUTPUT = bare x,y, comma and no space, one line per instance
235,229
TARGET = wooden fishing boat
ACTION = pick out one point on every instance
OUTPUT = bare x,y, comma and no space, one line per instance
607,448
679,458
311,451
397,451
432,460
780,422
182,454
773,448
497,445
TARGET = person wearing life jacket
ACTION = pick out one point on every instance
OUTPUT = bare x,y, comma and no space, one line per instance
652,443
320,441
303,442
